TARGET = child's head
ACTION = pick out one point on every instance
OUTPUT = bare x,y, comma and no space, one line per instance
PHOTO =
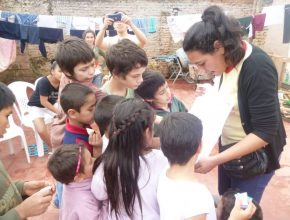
76,59
55,70
180,137
78,102
104,111
127,62
70,163
89,36
7,100
130,133
227,203
154,89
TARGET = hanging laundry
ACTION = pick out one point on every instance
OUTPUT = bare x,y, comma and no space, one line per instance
7,53
29,34
83,23
9,30
245,23
8,16
152,26
77,33
286,34
142,24
258,23
27,19
65,23
49,35
48,21
274,14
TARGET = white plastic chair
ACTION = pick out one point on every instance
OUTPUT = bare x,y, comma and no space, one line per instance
12,132
37,80
19,89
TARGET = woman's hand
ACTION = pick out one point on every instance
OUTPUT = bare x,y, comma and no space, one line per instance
242,214
205,165
107,22
127,20
31,187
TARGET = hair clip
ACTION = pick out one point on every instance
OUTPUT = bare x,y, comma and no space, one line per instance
79,161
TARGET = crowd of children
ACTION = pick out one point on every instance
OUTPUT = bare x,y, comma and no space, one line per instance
105,161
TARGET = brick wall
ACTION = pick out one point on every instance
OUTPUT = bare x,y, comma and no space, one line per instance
30,65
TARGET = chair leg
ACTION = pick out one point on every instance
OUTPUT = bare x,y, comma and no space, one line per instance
40,145
24,144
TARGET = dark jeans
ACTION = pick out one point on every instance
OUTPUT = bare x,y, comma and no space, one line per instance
254,186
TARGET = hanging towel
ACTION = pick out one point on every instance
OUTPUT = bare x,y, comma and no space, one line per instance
47,21
27,19
29,34
286,34
7,53
141,23
258,23
274,14
49,35
77,33
9,16
152,24
9,30
64,22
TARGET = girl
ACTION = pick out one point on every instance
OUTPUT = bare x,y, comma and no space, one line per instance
43,99
128,171
249,78
71,164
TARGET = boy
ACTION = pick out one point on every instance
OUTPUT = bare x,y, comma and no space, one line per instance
126,62
77,61
103,116
71,164
78,102
179,194
155,91
12,204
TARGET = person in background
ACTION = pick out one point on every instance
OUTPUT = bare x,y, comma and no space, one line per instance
121,26
250,82
37,194
43,101
90,36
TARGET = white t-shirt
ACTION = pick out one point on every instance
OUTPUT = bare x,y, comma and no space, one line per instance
109,41
179,199
148,181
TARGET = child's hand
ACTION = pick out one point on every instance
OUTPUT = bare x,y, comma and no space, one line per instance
95,139
242,214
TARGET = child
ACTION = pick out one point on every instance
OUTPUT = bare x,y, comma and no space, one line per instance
78,102
89,36
71,164
229,208
77,61
103,116
12,204
180,195
43,99
128,171
126,62
155,91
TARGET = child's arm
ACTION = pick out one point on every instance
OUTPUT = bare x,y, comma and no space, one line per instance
44,101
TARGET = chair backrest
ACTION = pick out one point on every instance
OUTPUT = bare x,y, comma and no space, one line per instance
20,89
182,58
37,80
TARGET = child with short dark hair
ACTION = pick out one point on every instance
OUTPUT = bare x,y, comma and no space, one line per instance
180,195
77,61
71,164
78,102
127,173
126,62
43,100
228,208
155,91
103,116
